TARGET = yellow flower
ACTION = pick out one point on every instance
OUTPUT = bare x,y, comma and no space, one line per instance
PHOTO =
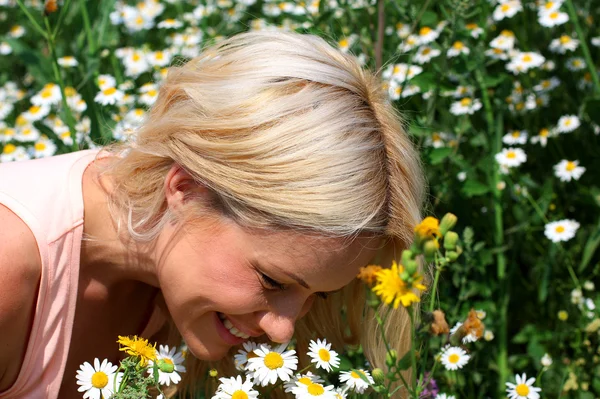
137,347
368,274
428,228
563,315
392,288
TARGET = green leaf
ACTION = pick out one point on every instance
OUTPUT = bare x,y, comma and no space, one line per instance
429,18
473,188
439,154
493,81
405,362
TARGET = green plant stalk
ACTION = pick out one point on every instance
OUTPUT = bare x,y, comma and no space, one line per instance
57,75
495,130
413,356
88,28
31,19
63,11
584,47
438,271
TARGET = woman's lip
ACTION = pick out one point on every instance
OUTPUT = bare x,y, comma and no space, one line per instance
225,334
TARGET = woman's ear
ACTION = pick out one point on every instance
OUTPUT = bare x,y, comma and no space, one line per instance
180,186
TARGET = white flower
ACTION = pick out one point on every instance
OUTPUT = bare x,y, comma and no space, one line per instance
467,105
523,389
36,112
454,357
397,90
552,18
546,360
488,335
567,170
550,5
234,388
425,53
44,147
496,54
240,359
408,44
67,61
511,157
169,23
427,35
547,84
595,41
563,44
575,64
524,61
401,72
27,133
542,137
11,153
444,396
354,381
504,41
506,9
106,81
49,95
111,96
97,381
271,364
314,390
305,379
567,123
589,285
5,48
561,230
457,49
171,358
515,137
159,58
461,176
17,31
322,355
474,30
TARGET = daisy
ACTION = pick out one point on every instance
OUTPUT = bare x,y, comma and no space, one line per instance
235,388
354,381
397,90
159,58
322,355
457,49
5,48
240,359
546,360
305,379
506,9
427,35
467,105
6,133
575,64
474,30
541,138
340,393
169,23
402,30
17,31
488,335
511,157
49,95
401,72
567,170
524,61
174,365
515,137
35,113
409,43
271,364
561,230
135,63
563,44
106,81
551,5
504,41
11,153
552,18
314,390
149,97
547,84
425,53
67,61
454,357
444,396
524,388
111,96
567,123
496,54
97,381
27,133
345,43
437,140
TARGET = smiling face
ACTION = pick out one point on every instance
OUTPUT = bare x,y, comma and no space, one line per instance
261,282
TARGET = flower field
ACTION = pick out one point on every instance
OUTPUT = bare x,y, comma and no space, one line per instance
502,97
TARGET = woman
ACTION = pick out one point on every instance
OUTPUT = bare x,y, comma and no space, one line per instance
270,169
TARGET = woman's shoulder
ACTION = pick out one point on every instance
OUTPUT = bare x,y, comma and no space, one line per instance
20,271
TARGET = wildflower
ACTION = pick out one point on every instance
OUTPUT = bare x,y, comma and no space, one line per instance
567,123
488,335
427,35
322,355
271,364
391,287
515,137
106,81
313,390
562,315
425,53
439,325
11,153
504,41
110,95
169,23
305,379
409,43
467,105
5,48
35,113
576,296
506,9
546,360
368,274
563,44
241,358
437,139
524,61
17,31
457,49
170,358
429,228
213,373
137,347
345,43
68,61
474,30
589,285
401,72
159,58
402,30
454,357
430,387
567,170
97,381
511,157
44,147
27,133
496,54
523,389
575,64
49,95
552,18
354,381
561,230
473,327
235,388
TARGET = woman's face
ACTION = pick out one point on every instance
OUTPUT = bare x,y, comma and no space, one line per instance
262,282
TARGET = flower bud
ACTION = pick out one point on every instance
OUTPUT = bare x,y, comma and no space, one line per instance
450,240
430,249
378,376
451,255
407,256
447,223
405,276
411,267
165,366
391,357
213,373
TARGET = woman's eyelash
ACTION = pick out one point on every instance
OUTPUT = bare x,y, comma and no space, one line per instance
323,295
272,283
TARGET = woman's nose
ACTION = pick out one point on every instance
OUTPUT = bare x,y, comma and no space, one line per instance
279,322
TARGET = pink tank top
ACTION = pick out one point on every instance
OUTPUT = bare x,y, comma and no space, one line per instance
47,195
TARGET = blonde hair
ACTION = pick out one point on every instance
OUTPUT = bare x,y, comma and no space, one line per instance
286,132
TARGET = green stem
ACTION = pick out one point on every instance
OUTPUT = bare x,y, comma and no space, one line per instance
438,271
584,47
31,19
57,75
413,357
537,208
63,11
87,26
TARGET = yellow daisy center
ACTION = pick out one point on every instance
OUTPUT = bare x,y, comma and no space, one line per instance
564,39
559,229
505,7
511,155
520,106
110,91
527,58
168,361
424,30
152,93
465,102
159,55
324,355
471,26
70,91
426,51
40,146
305,380
453,358
522,390
273,360
9,149
46,93
344,43
549,5
436,137
545,84
239,394
354,374
34,109
458,45
516,134
136,57
507,33
315,389
99,379
567,122
544,132
570,166
554,15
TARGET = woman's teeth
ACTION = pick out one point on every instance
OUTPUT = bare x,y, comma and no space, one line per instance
231,328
